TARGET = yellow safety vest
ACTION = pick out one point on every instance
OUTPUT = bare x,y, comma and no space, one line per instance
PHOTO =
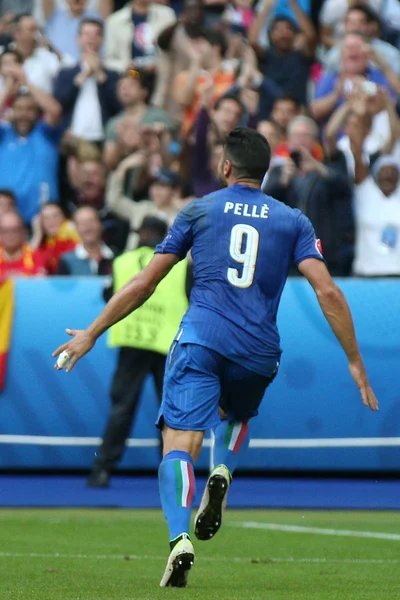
154,324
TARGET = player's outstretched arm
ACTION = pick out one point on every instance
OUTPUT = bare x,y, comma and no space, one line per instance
126,300
337,312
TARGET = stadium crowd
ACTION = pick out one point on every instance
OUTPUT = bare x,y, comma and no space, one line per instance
113,112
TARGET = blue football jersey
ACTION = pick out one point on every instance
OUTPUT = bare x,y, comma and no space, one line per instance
243,243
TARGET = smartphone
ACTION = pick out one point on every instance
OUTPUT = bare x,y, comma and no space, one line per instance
296,158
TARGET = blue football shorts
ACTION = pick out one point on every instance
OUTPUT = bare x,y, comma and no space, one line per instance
198,380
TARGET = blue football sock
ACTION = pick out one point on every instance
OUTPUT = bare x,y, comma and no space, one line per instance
177,485
231,440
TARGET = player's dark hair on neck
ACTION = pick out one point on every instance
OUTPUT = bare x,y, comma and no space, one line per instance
249,152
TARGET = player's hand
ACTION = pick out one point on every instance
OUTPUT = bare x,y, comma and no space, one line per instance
359,375
82,343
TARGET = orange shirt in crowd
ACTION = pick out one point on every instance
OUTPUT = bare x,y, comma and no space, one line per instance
30,263
283,151
222,80
52,248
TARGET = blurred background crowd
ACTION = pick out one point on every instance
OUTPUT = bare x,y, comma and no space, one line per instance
112,113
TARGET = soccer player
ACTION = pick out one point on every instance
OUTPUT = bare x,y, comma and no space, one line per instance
227,349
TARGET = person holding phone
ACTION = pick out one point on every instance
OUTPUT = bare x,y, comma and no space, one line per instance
304,179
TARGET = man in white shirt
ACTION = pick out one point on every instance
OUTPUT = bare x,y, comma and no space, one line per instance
87,91
40,64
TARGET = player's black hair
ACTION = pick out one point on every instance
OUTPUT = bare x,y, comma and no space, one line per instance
249,152
89,21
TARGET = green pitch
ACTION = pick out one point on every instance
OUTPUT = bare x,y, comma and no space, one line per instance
121,555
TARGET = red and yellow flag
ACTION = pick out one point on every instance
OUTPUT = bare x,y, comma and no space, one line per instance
6,321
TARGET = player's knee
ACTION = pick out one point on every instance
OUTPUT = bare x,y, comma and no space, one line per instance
185,441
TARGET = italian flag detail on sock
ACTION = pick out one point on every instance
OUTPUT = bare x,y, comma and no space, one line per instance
235,435
184,477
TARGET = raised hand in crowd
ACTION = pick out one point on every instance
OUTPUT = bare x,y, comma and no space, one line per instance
288,171
128,134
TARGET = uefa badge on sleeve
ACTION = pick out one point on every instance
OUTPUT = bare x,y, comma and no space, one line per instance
318,247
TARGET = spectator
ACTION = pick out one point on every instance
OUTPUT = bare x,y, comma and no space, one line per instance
271,132
103,8
131,34
377,214
6,25
189,85
239,16
283,110
152,145
279,8
91,256
211,128
332,19
333,88
163,196
123,130
358,20
9,86
53,235
390,13
87,91
7,201
176,45
28,149
40,64
64,22
304,133
379,119
285,65
88,178
89,184
143,339
16,257
320,190
73,152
